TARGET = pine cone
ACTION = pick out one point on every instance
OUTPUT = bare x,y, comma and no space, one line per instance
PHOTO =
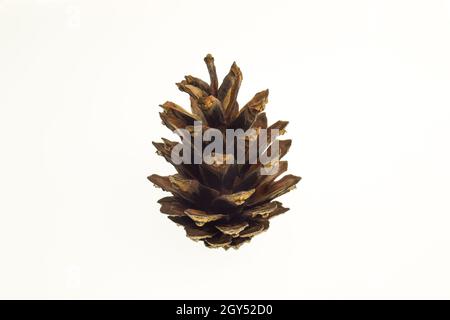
223,203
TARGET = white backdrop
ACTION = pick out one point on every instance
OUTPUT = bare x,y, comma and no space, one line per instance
364,84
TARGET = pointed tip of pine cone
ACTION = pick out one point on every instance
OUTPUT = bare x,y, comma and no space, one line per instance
209,57
297,179
236,70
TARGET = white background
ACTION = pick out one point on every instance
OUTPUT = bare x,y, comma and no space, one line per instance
365,85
